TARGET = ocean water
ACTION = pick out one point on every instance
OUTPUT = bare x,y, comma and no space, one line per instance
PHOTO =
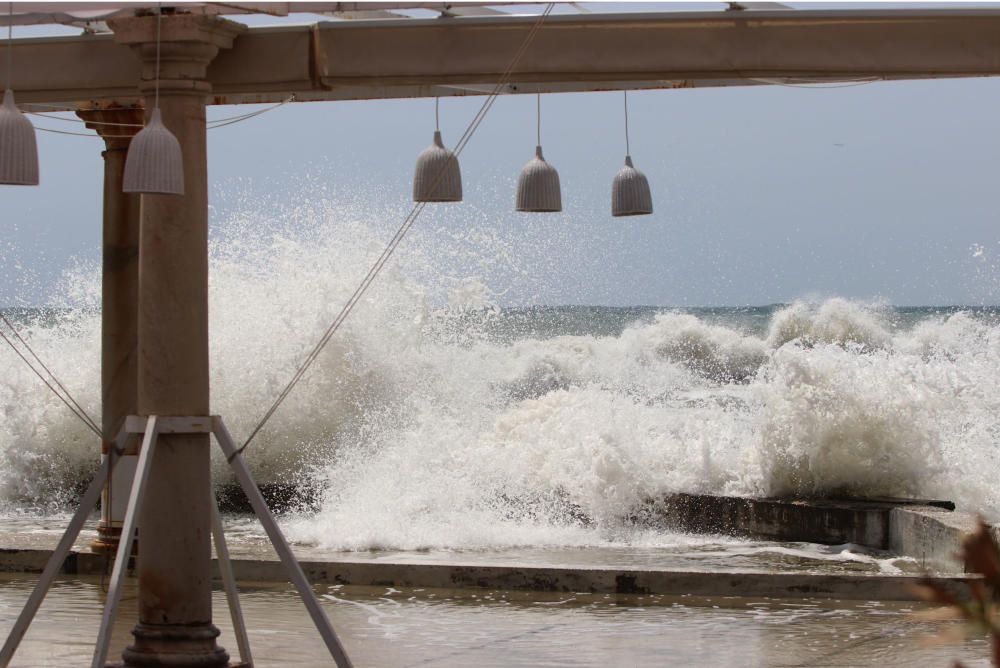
438,419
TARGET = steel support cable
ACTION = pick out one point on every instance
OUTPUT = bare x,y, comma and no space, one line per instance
51,115
81,134
68,399
81,413
398,236
817,84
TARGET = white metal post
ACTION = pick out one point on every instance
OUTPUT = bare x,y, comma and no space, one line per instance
125,543
229,583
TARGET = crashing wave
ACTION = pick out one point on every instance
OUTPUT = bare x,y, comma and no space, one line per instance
425,423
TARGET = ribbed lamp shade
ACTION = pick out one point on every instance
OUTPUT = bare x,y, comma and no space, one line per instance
630,192
538,186
154,164
18,151
437,177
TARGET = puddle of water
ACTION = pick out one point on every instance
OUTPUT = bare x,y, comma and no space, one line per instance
429,628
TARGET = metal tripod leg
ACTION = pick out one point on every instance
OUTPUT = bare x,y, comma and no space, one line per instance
280,544
55,562
229,583
125,543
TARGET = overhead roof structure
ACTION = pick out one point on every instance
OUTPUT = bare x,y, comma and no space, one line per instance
93,16
466,48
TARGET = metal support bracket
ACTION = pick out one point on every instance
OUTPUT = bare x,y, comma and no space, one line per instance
59,555
185,424
151,427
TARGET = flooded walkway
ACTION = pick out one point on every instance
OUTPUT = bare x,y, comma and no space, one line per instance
446,627
390,628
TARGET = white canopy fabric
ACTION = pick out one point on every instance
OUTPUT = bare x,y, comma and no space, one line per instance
89,14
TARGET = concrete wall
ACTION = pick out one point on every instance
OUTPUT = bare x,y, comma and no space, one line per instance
929,531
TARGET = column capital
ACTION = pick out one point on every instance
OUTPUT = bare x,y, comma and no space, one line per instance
116,126
188,43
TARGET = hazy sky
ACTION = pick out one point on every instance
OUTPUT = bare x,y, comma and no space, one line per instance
762,194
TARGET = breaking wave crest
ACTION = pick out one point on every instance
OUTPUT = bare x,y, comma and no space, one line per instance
834,321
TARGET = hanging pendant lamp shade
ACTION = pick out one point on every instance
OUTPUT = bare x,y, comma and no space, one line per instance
18,150
630,192
538,186
437,177
154,164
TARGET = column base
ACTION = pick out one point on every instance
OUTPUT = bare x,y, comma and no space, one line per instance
108,538
175,645
234,664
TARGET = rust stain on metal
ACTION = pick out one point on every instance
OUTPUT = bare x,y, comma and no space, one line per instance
318,70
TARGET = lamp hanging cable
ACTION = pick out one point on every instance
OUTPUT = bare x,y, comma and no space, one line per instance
397,238
159,20
627,151
10,44
538,119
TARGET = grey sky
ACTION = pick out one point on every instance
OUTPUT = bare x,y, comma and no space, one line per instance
762,194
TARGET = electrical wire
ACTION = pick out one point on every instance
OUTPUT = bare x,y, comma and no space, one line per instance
210,125
408,222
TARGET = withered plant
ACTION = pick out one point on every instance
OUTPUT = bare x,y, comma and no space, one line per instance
980,614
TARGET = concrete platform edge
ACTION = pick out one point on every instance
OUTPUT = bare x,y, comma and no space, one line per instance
754,584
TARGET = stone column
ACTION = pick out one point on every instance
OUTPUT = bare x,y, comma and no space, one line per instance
119,317
175,575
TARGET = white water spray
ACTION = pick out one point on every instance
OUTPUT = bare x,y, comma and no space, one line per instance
433,420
